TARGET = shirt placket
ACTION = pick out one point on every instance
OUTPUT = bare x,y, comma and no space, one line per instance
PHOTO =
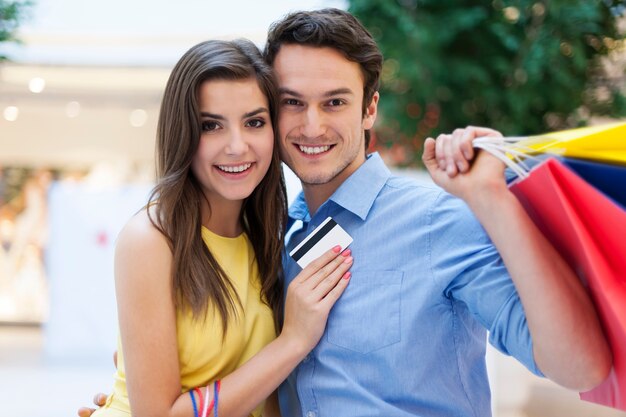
305,386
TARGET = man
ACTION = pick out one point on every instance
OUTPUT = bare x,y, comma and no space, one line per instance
407,338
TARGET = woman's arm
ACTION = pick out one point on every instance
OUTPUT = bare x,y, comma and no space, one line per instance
272,408
147,316
147,319
310,297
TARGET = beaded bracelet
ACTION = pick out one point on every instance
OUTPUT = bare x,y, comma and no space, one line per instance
193,402
207,405
200,399
216,390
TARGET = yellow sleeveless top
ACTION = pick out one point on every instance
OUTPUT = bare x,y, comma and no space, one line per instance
202,354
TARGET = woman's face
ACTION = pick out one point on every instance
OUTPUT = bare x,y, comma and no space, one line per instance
236,142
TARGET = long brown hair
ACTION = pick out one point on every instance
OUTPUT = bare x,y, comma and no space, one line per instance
198,280
334,28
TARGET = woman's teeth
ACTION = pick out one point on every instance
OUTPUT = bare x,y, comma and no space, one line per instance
235,169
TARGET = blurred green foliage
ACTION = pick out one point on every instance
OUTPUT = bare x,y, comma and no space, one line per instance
12,14
521,67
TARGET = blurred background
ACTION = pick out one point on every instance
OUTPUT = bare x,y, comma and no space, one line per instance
80,87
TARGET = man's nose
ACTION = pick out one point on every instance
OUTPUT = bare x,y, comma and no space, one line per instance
314,123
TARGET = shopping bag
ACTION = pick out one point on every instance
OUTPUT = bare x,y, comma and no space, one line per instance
589,231
610,179
605,143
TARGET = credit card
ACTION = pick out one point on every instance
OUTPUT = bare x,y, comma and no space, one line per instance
325,237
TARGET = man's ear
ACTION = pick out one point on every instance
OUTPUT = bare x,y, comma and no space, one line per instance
370,112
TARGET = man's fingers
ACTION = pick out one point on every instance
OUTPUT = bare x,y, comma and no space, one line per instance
115,358
100,399
428,157
466,147
479,131
448,151
440,153
457,152
85,411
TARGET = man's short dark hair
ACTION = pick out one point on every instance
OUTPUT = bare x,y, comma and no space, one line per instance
336,29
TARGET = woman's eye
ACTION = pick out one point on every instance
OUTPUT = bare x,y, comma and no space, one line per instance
209,126
256,123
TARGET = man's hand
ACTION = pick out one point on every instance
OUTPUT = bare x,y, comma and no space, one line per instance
99,399
456,167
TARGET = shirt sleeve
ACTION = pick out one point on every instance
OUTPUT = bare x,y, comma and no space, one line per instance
465,263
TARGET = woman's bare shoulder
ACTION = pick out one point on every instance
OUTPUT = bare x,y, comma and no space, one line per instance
140,240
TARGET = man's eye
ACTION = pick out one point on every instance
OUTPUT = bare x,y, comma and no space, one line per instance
256,123
209,126
291,102
335,102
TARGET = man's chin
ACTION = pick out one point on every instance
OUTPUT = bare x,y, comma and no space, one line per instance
308,178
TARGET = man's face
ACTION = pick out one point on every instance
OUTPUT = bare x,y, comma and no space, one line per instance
321,120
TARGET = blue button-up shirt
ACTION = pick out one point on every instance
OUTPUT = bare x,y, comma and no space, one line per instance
407,337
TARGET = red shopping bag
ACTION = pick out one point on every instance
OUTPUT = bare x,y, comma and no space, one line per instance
589,231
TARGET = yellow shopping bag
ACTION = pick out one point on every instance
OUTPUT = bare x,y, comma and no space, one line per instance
605,143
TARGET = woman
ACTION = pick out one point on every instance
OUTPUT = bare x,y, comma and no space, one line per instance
197,271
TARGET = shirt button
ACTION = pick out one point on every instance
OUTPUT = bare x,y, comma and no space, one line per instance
310,414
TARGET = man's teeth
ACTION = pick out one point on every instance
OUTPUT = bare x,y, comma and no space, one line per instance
237,168
314,150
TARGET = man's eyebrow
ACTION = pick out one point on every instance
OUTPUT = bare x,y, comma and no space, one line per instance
246,115
288,92
336,92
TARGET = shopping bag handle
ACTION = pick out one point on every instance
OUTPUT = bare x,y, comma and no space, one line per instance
508,150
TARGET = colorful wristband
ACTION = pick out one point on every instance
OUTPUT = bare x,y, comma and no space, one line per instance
207,405
200,399
216,390
193,402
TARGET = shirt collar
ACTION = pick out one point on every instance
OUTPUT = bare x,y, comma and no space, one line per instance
357,193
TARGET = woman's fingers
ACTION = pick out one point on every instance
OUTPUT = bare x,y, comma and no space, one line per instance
315,265
328,269
335,292
333,273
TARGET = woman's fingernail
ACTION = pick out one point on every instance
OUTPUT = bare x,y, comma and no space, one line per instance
346,252
337,249
346,275
348,260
